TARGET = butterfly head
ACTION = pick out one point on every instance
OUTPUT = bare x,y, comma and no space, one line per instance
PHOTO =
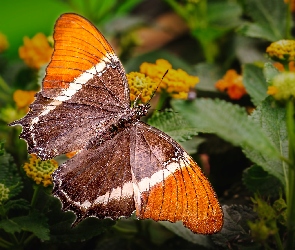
141,110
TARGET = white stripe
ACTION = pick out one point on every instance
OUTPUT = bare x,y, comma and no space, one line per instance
73,88
146,183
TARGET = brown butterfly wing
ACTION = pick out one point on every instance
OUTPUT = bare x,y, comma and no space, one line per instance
84,87
97,181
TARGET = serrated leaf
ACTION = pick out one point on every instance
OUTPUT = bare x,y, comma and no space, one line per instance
9,175
34,223
228,121
172,124
60,224
269,17
258,180
272,120
254,82
9,226
270,71
20,204
235,231
179,229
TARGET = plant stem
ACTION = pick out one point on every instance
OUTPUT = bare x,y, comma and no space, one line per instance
5,244
290,189
278,241
35,195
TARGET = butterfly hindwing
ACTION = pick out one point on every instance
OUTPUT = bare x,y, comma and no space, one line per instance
97,181
175,188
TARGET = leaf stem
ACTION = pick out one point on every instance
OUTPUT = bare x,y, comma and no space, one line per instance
5,244
35,195
290,189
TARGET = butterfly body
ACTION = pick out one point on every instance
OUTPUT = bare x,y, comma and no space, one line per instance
122,163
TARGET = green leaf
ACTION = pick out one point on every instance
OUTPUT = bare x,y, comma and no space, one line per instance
254,82
224,15
9,226
272,120
60,224
270,71
258,180
179,229
172,124
20,204
228,121
9,174
34,223
269,19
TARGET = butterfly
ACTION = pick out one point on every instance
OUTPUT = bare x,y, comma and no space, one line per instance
122,164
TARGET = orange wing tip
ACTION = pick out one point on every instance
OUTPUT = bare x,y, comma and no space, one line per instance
185,195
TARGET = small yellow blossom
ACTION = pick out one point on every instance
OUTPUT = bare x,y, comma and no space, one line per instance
177,83
232,83
36,51
23,98
283,50
3,43
40,171
283,86
140,86
4,193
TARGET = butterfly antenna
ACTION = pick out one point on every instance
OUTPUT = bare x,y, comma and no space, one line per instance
158,86
136,99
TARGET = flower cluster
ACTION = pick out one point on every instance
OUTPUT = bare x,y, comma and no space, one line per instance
4,193
40,171
23,98
176,83
3,43
282,50
36,51
140,86
282,86
232,83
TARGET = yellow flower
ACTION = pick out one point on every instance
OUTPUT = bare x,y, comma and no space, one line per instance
140,86
4,193
40,171
36,51
23,98
176,82
283,86
232,83
3,43
283,50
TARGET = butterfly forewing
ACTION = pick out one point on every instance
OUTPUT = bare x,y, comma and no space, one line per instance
82,58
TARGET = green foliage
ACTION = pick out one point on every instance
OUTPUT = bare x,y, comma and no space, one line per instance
269,19
255,83
272,120
35,223
208,21
9,175
228,121
172,124
258,180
